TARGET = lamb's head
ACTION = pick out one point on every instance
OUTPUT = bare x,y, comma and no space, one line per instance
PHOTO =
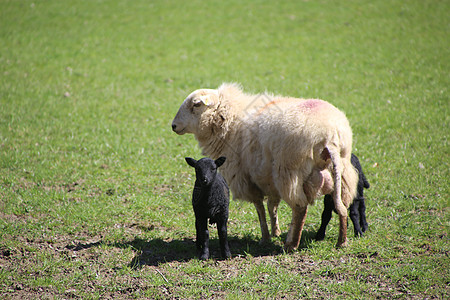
196,112
205,169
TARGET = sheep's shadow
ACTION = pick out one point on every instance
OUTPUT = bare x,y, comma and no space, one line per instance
157,251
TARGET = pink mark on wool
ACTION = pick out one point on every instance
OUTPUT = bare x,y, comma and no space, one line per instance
310,105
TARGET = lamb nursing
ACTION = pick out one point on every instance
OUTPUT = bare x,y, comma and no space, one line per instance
276,147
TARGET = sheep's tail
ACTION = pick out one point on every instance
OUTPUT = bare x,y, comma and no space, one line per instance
345,181
350,179
337,172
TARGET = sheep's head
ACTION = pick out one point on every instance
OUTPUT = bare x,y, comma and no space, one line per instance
196,112
205,169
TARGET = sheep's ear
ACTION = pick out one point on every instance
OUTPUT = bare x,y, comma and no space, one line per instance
192,162
220,161
207,100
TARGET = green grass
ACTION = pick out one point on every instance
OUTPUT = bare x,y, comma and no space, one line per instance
94,190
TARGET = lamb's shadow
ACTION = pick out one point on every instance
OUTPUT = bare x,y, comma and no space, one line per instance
148,252
155,251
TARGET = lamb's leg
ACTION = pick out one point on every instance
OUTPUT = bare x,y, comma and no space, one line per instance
265,236
362,214
201,225
272,206
354,216
222,231
296,227
326,216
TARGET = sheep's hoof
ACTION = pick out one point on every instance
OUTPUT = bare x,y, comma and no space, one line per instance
276,232
342,244
289,248
265,241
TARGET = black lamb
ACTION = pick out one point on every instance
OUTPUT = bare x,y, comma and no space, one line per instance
357,208
210,200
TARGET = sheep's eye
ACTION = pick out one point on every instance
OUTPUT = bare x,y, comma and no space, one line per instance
197,104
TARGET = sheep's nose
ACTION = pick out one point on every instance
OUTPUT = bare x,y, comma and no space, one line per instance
174,127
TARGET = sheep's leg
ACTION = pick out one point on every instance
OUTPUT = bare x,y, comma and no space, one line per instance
272,206
326,216
296,227
342,239
354,216
201,225
222,231
265,236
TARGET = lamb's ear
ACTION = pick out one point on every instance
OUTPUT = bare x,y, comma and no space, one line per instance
192,162
220,161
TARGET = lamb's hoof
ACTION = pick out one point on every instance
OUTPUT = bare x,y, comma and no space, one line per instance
359,234
203,256
319,237
226,254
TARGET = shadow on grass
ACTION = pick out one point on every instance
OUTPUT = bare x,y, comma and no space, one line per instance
157,251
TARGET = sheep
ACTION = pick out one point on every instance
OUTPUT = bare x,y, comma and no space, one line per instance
210,200
279,147
357,208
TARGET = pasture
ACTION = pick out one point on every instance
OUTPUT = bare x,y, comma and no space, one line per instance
95,195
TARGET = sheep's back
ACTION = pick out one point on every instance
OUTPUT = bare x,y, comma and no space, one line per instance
297,128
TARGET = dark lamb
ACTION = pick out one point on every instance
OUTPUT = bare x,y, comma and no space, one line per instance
357,208
210,200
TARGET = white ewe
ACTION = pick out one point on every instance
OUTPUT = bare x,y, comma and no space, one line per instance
279,147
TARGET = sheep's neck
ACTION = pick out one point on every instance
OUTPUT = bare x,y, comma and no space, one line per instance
218,143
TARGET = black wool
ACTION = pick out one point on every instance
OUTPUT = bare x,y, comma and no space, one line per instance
210,200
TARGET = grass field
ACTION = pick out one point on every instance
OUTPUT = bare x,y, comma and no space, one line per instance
95,193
